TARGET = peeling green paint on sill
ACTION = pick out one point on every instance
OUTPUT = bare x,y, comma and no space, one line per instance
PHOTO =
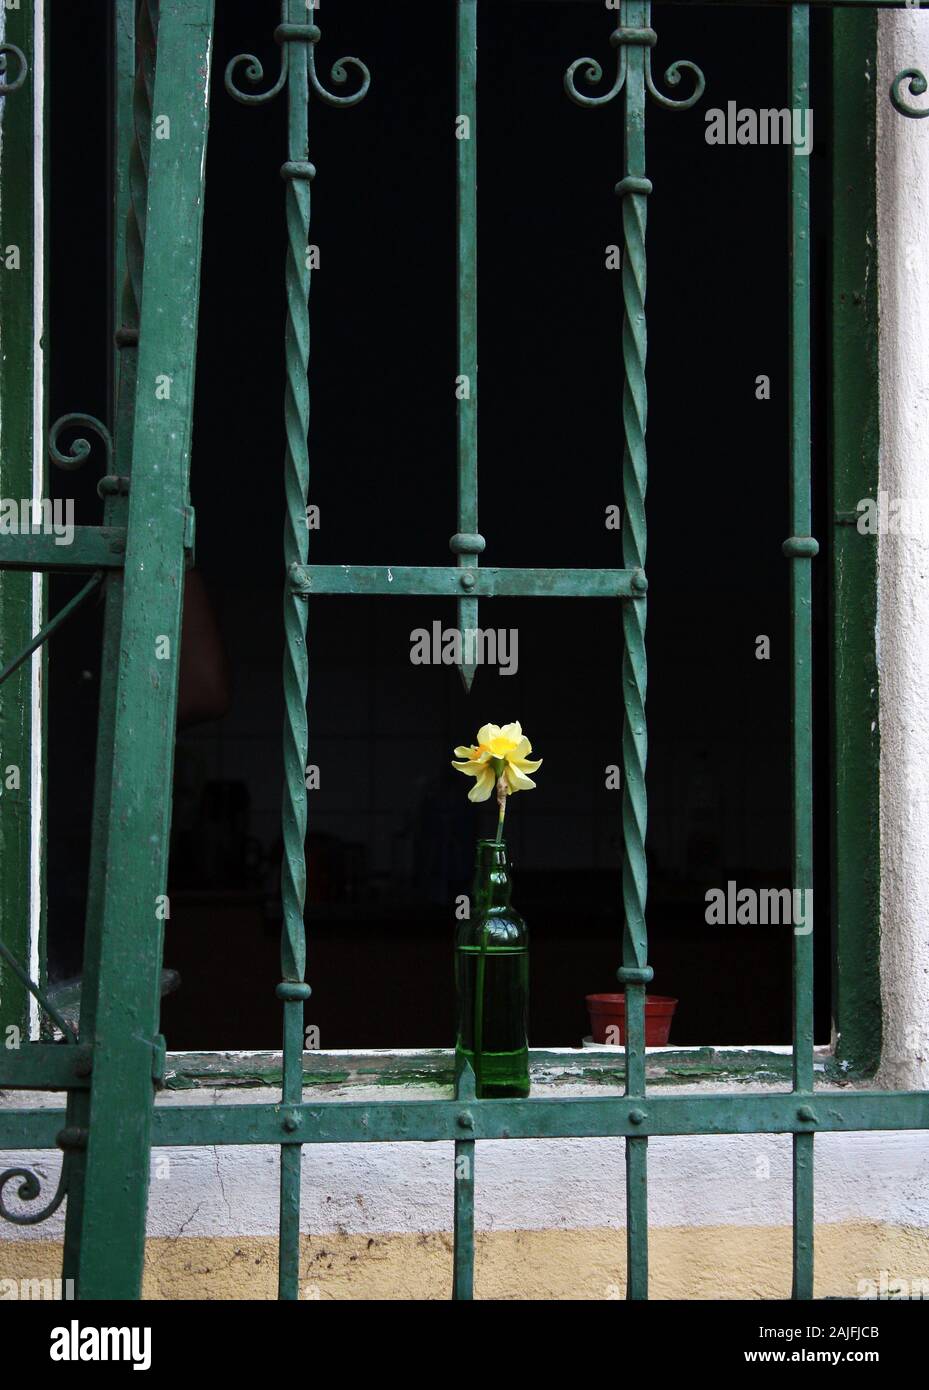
434,1069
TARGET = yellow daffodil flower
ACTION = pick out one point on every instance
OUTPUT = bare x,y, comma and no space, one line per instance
499,759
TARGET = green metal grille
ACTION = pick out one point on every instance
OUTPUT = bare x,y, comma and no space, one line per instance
138,556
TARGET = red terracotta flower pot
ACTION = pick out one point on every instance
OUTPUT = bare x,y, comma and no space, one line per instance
608,1012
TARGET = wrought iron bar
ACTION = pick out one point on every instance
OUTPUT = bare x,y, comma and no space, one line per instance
634,973
444,581
800,549
467,543
53,625
112,1236
91,548
48,1008
463,1248
135,28
565,1117
633,41
46,1066
298,42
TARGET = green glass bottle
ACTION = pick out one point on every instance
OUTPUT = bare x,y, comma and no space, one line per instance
492,981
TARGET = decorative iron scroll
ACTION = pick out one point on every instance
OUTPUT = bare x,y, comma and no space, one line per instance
72,1140
621,39
30,1190
81,449
917,88
15,83
284,34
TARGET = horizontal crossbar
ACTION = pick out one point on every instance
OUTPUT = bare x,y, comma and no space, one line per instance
40,1066
451,581
767,4
91,548
349,1122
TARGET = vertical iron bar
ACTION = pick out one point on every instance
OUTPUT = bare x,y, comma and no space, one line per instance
297,173
22,596
463,1279
854,447
634,973
800,549
135,27
463,1254
467,543
112,1241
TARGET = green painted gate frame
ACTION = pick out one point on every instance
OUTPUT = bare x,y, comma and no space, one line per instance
112,1070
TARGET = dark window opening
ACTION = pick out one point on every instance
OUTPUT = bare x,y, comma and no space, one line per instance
391,832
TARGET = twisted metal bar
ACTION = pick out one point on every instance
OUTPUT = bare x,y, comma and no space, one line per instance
634,79
5,86
634,193
917,88
296,173
298,72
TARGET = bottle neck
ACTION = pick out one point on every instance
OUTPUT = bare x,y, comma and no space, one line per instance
492,884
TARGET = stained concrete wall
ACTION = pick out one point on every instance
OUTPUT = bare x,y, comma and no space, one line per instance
903,595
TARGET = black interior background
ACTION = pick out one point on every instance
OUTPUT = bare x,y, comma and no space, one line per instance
391,831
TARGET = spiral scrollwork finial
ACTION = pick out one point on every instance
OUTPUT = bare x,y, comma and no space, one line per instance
643,37
673,76
8,85
917,87
81,448
339,74
30,1190
254,73
286,34
594,74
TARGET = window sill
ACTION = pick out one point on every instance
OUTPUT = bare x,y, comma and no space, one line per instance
433,1068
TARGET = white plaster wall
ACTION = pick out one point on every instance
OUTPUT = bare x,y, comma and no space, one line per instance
903,596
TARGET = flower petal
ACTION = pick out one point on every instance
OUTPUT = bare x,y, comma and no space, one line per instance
486,734
525,764
483,786
518,781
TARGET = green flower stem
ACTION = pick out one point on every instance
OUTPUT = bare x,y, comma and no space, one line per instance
482,958
501,797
